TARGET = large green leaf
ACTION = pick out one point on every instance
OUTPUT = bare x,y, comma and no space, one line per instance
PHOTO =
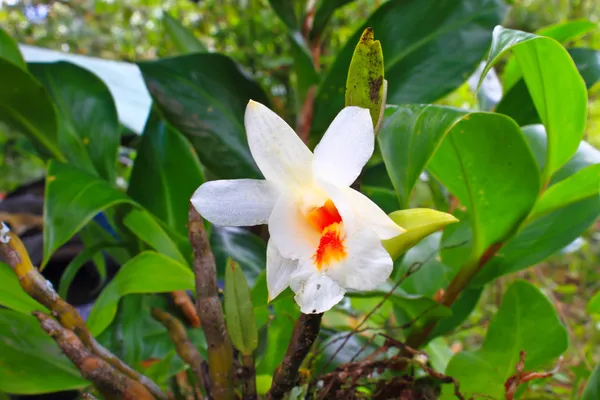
486,163
149,272
72,199
88,126
10,51
588,64
30,361
26,107
592,387
165,174
420,40
204,96
526,321
183,38
241,245
408,138
239,314
561,103
13,296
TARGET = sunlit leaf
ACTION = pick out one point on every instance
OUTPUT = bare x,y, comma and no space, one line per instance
13,296
183,38
9,50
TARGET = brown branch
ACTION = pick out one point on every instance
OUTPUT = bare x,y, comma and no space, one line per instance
186,350
33,283
248,378
220,350
185,304
111,383
304,335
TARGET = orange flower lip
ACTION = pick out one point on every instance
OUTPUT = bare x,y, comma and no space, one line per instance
328,222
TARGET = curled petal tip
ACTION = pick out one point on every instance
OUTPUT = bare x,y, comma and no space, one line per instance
4,229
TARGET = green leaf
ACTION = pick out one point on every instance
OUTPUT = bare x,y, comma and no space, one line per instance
83,195
13,296
420,40
408,138
593,306
461,310
418,311
183,38
592,387
239,314
149,272
562,103
241,245
498,195
26,107
365,86
165,174
588,65
285,10
323,14
204,96
526,321
88,125
304,67
30,361
9,50
439,354
419,223
582,185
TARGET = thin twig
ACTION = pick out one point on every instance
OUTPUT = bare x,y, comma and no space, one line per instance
185,304
208,306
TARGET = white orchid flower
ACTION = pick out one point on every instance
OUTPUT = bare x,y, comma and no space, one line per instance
325,238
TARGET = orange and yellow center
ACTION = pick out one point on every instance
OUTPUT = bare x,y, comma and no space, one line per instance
328,222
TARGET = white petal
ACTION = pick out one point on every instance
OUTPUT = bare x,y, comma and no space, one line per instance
237,202
367,264
315,291
372,216
279,270
290,231
279,153
346,147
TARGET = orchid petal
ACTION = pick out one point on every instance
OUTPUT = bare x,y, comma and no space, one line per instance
315,291
372,216
279,270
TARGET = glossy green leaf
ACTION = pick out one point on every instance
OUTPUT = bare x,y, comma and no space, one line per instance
420,40
30,361
562,103
419,223
471,165
23,98
526,321
9,50
183,38
88,125
239,314
582,185
83,195
561,32
148,229
592,387
165,174
241,245
408,138
365,86
204,96
323,14
149,272
13,296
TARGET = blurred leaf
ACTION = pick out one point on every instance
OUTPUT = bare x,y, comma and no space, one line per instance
149,272
83,195
183,38
561,104
592,387
243,246
241,324
365,86
88,125
385,198
9,50
165,174
204,96
285,10
420,40
461,310
439,354
408,138
416,311
303,65
323,14
593,306
419,223
526,321
30,361
13,296
588,65
26,107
